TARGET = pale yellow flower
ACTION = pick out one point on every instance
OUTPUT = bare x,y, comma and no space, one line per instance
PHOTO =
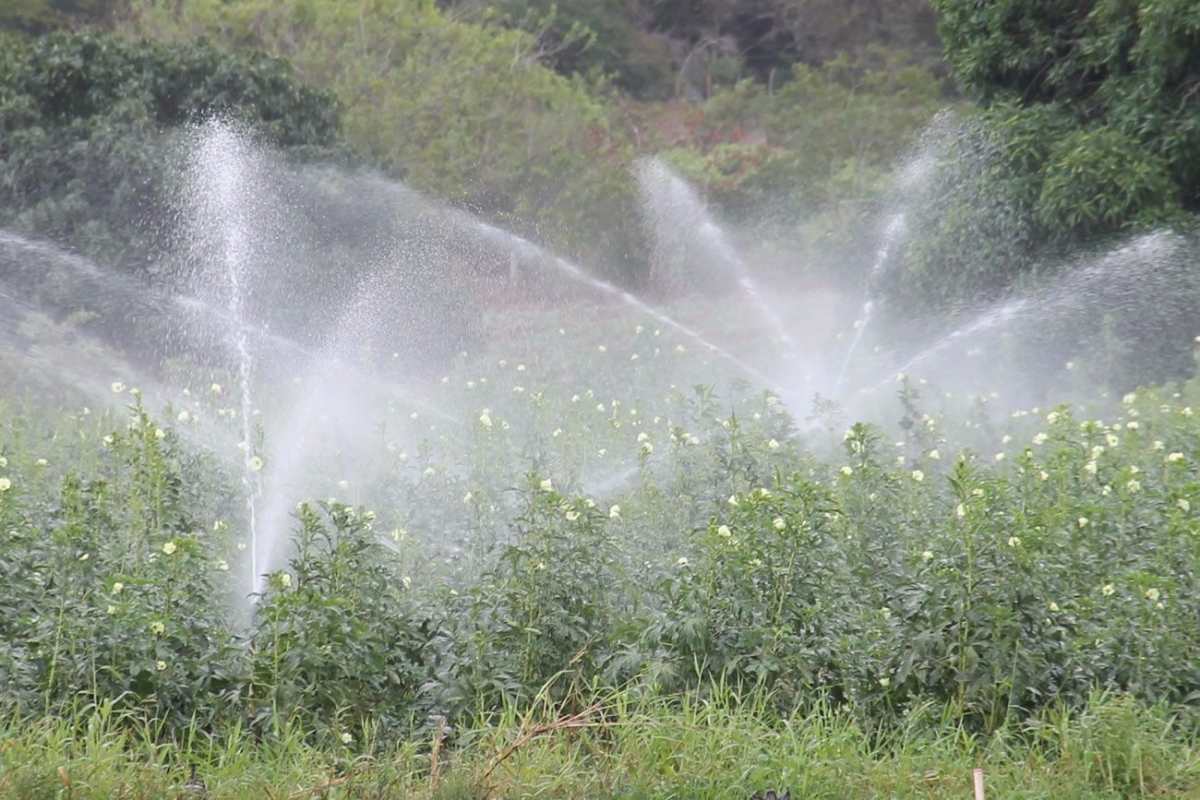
724,531
5,484
1107,590
169,548
158,628
255,463
547,485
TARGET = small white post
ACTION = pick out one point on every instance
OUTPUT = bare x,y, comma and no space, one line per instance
979,784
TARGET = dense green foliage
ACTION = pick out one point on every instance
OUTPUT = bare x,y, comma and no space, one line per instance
82,158
464,112
1088,130
1108,85
621,748
39,16
804,166
991,566
671,48
465,105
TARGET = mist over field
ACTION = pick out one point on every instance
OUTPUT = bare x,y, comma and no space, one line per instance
599,399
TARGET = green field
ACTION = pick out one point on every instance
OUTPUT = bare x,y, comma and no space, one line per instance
570,572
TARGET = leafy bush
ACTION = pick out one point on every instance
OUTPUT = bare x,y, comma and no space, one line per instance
337,649
1084,132
995,567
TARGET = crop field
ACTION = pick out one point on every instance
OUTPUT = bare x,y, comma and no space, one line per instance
579,570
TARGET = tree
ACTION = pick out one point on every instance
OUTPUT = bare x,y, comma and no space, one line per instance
1099,102
84,159
466,113
40,16
1087,130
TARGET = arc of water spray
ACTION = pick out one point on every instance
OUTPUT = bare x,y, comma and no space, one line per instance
657,179
1053,299
577,273
934,141
895,229
524,248
223,177
195,308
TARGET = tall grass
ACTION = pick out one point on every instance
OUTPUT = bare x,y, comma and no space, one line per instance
622,747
